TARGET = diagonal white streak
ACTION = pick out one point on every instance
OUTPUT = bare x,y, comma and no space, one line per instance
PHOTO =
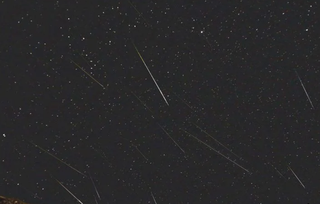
305,91
296,177
217,151
217,141
69,192
172,138
154,199
95,188
150,74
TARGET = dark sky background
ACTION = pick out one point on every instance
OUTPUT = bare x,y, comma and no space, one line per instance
241,79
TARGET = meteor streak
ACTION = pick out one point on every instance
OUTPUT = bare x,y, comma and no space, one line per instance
95,188
140,152
89,75
217,151
150,74
305,91
95,199
217,141
277,171
132,144
143,104
37,146
154,199
182,100
139,13
81,55
171,138
296,177
69,191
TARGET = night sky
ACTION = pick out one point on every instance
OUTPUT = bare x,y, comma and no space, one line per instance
160,102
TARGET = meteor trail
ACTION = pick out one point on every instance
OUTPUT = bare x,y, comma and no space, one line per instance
37,146
140,152
171,138
95,199
277,171
143,104
217,141
69,191
305,91
154,199
150,74
89,75
132,144
296,177
95,188
182,100
139,13
81,55
217,151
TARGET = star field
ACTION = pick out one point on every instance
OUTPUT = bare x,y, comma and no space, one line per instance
177,102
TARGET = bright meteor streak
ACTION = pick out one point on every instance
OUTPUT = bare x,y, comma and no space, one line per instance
164,98
296,177
305,91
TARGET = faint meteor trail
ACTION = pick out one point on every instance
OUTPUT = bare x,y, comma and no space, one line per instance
95,188
143,104
150,73
95,199
89,75
217,141
277,171
305,91
69,191
81,55
132,144
216,151
140,152
206,40
154,199
139,13
171,138
37,146
296,177
182,100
